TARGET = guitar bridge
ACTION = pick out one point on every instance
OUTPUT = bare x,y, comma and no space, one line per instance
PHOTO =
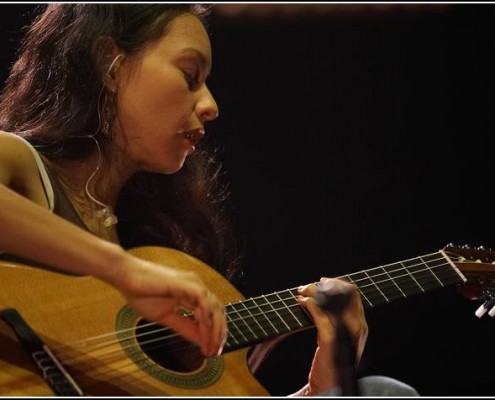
53,371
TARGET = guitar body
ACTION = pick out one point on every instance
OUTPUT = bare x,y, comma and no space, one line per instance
78,317
94,344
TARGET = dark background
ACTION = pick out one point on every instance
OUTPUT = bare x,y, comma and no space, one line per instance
355,137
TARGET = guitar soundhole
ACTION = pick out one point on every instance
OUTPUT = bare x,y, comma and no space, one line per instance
166,348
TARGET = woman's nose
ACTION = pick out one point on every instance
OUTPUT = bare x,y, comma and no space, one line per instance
207,108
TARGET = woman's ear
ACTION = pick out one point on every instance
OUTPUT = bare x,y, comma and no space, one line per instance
110,74
109,58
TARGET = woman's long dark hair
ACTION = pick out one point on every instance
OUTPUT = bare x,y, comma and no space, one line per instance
52,98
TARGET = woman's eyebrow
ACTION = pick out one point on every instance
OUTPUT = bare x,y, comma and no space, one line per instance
202,58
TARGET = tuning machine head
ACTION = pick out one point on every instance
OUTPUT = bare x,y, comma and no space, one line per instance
488,305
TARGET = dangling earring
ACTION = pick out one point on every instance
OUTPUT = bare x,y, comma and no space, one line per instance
106,129
106,213
109,104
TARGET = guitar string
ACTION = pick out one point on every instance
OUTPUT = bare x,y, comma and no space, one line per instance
126,364
83,343
145,357
133,363
252,316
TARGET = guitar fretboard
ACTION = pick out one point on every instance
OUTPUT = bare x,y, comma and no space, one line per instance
262,318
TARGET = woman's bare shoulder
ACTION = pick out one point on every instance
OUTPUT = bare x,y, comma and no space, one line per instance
17,162
10,141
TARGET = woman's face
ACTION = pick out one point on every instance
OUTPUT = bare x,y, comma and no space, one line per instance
162,98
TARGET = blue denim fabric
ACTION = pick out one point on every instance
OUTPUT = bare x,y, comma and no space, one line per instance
377,385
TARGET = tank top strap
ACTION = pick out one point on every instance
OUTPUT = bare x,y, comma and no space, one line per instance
58,201
63,207
45,179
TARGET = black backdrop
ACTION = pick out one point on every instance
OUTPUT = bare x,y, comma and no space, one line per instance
353,140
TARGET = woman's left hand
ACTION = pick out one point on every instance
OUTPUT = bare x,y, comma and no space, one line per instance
324,375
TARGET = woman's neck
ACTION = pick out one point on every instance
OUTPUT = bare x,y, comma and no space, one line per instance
91,187
103,179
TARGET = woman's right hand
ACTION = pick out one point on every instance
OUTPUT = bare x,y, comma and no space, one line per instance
154,291
157,293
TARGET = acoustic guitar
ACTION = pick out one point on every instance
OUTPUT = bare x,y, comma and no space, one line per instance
69,336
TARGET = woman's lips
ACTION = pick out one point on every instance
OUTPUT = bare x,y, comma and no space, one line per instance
194,136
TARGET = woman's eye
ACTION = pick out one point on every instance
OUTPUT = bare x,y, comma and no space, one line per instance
192,79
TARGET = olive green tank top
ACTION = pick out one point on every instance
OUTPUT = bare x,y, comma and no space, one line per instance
58,203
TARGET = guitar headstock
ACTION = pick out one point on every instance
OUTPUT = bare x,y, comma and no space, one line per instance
477,264
476,254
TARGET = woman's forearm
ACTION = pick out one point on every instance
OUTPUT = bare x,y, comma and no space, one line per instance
31,231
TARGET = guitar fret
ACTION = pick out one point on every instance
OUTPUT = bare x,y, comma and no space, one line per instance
277,310
261,318
387,287
232,324
253,329
241,324
447,274
288,308
302,316
376,285
399,280
254,320
267,308
444,271
422,274
230,335
394,282
403,279
430,269
367,287
412,276
350,280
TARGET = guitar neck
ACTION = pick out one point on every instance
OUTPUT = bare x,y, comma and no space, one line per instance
265,317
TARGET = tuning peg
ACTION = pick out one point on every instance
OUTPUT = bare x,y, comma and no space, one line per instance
481,248
489,304
466,247
481,311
